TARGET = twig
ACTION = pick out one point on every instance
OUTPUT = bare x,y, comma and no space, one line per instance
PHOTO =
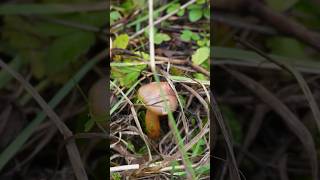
151,37
154,165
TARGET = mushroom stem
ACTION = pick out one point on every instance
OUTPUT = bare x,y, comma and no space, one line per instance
152,125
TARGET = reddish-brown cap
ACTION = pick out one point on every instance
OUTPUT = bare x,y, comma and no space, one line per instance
151,97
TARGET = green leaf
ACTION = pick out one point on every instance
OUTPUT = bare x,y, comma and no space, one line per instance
281,6
127,75
173,7
121,41
186,35
116,176
195,14
144,55
201,55
161,37
67,49
181,12
114,16
195,36
286,47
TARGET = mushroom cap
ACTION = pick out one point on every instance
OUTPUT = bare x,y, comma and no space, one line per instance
151,97
98,98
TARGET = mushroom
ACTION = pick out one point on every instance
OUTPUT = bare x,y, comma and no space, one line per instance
150,95
98,99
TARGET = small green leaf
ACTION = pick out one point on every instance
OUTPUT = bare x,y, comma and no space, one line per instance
67,49
194,6
121,41
186,35
201,55
195,14
116,176
173,7
144,55
161,37
127,76
195,36
114,16
181,12
286,47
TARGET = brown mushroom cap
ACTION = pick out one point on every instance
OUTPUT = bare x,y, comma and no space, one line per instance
98,98
151,97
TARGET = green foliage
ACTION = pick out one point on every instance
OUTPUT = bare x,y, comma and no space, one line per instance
281,5
200,76
130,5
201,1
161,37
174,164
130,146
188,35
116,176
143,150
158,36
127,76
174,7
198,11
67,49
114,16
233,124
201,55
286,47
51,49
195,14
198,148
121,41
203,42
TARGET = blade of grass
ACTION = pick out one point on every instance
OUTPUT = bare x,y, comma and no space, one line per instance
173,125
15,64
116,106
